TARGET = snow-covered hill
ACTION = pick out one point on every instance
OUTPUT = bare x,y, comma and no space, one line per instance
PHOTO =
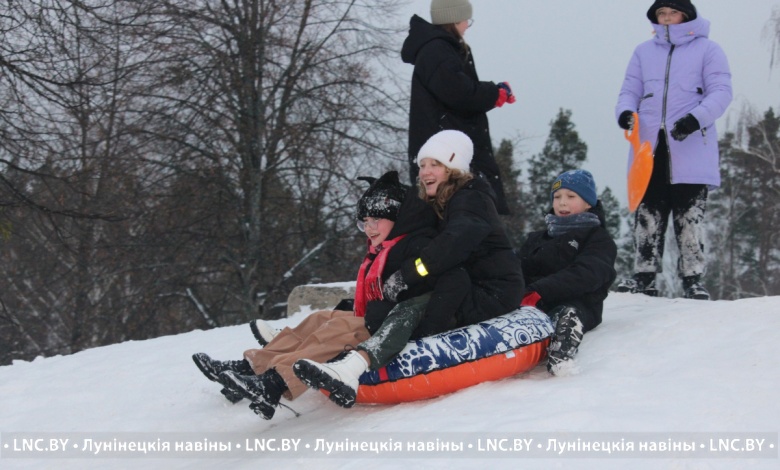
658,372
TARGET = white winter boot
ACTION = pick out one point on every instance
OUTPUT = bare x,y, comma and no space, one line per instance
339,378
263,332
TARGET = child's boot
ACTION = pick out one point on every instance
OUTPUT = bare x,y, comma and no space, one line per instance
566,340
340,378
212,368
262,331
265,390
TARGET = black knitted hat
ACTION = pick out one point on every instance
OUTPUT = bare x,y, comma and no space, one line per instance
684,6
383,198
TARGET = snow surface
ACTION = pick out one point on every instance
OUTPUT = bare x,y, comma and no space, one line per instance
658,369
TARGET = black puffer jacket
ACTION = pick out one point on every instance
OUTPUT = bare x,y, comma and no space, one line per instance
447,94
575,269
471,236
418,221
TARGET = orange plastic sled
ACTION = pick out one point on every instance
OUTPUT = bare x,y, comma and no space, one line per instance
641,167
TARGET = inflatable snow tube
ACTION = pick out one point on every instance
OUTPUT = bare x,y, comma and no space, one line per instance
443,363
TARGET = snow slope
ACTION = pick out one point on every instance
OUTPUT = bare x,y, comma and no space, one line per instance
657,371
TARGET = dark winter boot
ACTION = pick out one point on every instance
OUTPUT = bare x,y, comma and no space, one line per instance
264,390
694,289
232,397
566,340
639,283
339,376
262,331
211,368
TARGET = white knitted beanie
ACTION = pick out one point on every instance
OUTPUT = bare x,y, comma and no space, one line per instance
452,148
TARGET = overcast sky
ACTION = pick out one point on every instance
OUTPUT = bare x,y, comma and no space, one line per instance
573,54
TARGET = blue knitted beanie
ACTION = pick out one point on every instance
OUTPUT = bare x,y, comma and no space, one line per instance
579,181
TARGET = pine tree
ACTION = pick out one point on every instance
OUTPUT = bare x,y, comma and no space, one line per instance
563,151
510,177
611,212
614,217
745,214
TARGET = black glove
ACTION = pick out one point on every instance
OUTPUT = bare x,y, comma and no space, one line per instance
346,305
393,286
626,120
684,127
432,326
376,312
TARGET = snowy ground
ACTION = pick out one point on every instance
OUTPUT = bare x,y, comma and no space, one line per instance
660,372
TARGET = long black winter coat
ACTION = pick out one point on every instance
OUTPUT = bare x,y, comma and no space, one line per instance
447,94
478,274
418,221
574,269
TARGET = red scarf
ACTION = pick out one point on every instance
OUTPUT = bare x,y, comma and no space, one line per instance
369,280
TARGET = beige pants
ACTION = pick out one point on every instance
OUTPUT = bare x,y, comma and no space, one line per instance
319,337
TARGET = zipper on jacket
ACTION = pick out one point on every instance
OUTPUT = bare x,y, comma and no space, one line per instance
703,129
663,106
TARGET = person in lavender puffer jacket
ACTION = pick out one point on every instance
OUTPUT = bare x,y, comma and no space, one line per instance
679,83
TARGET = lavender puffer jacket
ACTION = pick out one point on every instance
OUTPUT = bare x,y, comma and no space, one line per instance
679,72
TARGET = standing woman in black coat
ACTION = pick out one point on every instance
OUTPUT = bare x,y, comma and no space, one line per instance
446,91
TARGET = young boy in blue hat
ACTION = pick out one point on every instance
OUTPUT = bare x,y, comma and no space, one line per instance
569,267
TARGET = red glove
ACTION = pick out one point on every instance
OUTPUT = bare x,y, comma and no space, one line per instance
505,95
530,299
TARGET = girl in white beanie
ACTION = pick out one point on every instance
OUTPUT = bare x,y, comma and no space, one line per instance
475,272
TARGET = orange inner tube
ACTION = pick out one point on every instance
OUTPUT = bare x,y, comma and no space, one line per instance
451,379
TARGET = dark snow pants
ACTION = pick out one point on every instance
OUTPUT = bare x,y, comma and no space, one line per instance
395,331
686,203
454,302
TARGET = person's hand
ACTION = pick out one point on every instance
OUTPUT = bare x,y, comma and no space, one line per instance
530,299
626,120
505,94
393,286
684,127
376,313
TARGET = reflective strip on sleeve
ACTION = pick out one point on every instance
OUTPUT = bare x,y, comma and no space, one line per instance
420,267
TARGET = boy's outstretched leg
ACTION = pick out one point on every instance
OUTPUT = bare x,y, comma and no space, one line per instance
566,340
